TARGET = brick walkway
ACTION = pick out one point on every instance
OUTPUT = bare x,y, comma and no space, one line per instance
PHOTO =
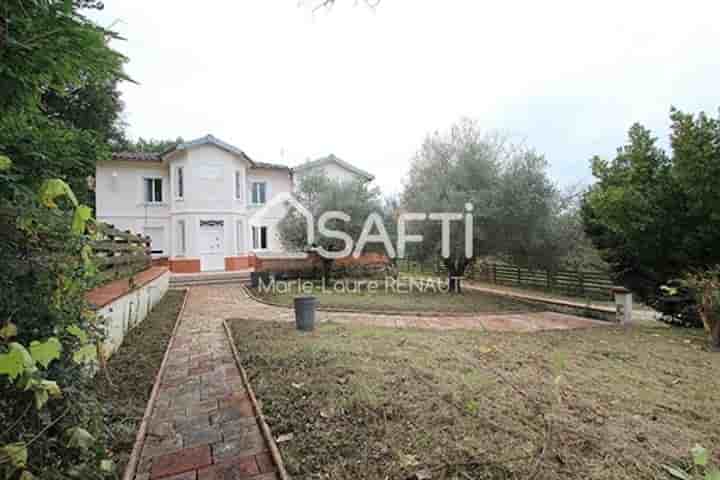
516,322
203,425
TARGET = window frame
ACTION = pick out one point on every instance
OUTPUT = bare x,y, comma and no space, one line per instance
238,185
153,181
179,183
257,237
263,190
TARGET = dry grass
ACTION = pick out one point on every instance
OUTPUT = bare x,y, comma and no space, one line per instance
603,403
132,370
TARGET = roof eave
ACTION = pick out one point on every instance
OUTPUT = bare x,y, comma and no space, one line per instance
339,161
209,140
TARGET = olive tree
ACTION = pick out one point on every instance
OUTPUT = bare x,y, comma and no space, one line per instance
319,194
501,197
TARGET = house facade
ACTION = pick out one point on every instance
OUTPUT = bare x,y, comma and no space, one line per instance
203,203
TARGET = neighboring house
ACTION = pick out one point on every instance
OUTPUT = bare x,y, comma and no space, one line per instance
333,167
197,201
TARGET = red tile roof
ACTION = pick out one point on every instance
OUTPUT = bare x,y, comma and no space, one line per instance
139,156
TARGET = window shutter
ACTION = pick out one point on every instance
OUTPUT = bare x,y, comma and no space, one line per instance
263,237
148,190
158,190
180,183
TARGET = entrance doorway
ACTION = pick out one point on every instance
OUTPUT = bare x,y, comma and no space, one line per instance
212,245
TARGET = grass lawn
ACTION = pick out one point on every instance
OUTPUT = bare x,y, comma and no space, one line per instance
406,298
132,370
380,403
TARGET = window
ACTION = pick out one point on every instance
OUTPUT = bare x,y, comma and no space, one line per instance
181,237
259,238
258,193
238,185
153,190
180,183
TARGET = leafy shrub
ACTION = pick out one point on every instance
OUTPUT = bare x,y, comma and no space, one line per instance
676,302
693,302
51,417
653,213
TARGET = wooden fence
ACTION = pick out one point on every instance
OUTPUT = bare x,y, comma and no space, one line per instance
414,266
584,283
120,254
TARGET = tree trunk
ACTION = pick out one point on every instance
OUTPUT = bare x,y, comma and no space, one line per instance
710,318
456,269
327,268
715,336
454,283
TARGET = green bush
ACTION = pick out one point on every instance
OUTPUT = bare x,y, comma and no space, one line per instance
652,213
51,417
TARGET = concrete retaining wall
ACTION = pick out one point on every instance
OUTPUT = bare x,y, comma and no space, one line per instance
126,311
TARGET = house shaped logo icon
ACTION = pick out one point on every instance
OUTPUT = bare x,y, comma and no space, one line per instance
287,200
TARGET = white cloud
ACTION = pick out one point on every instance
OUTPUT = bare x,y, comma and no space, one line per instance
569,77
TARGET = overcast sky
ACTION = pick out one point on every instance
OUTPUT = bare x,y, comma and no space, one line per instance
566,77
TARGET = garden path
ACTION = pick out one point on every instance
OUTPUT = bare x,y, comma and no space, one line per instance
203,425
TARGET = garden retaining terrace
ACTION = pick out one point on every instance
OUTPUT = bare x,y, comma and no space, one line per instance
123,304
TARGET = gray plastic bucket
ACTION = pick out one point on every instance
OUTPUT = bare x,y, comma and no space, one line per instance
305,312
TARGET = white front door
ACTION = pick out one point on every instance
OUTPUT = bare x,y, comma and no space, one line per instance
212,246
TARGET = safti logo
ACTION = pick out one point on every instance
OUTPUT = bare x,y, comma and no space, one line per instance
372,222
286,199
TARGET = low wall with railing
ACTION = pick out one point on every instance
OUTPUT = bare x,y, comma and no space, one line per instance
129,285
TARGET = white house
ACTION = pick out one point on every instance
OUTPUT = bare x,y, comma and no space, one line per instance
197,199
333,167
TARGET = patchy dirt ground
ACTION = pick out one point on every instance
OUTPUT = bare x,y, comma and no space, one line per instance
378,403
424,295
132,370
